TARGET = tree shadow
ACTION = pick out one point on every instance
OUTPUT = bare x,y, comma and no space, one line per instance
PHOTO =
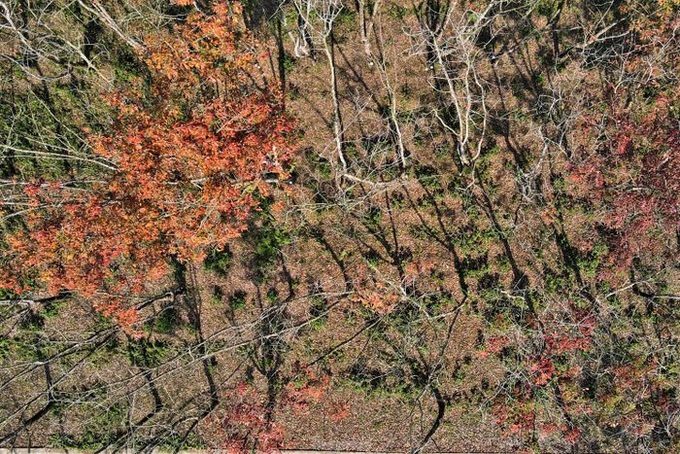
440,234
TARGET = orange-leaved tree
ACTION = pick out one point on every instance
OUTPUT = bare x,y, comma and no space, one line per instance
193,146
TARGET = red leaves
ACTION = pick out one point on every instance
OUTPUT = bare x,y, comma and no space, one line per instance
494,345
564,344
248,425
541,372
631,182
573,435
32,190
309,388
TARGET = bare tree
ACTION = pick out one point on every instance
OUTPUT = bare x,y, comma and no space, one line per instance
318,19
450,41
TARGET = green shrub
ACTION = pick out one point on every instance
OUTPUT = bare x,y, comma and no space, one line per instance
218,260
145,353
166,322
237,301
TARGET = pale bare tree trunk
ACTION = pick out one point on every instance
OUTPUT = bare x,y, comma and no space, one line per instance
366,22
338,128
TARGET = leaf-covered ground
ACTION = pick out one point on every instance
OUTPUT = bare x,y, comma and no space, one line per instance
317,224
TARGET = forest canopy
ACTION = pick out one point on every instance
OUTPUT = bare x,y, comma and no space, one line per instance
340,225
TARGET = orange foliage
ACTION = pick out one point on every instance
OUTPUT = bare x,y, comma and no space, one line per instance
192,151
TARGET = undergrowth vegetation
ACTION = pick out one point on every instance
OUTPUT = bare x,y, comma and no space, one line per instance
323,224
